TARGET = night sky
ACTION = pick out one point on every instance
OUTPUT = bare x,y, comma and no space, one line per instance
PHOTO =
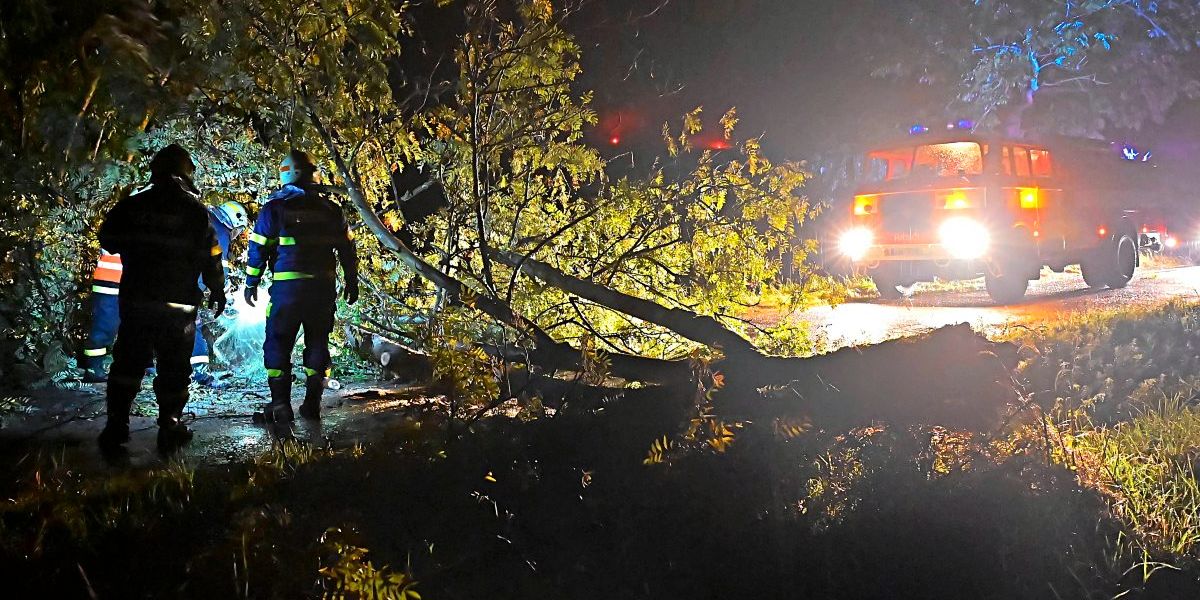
797,70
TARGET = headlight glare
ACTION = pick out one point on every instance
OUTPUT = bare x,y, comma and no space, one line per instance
964,237
855,243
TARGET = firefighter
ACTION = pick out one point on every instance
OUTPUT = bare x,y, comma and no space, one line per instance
165,242
228,221
296,235
106,284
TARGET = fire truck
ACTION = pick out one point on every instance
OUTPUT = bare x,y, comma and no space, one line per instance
960,205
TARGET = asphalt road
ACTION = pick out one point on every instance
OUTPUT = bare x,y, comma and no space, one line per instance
931,306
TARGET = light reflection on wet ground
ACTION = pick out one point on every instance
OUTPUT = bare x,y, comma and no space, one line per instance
1054,297
69,421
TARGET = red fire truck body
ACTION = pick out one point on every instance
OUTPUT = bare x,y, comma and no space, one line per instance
962,205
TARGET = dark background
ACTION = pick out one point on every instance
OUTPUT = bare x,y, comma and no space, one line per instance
798,71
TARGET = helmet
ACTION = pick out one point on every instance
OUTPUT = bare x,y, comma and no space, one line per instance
297,166
172,160
232,215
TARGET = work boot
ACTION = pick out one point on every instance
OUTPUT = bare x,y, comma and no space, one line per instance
116,430
314,386
203,376
94,376
280,408
172,432
114,436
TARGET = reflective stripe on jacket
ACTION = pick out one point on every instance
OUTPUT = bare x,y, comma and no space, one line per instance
108,269
296,236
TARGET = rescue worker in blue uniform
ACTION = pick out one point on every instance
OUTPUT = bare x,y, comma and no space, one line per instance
297,234
228,221
165,241
106,284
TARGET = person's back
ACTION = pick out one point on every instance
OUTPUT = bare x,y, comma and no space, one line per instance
165,242
164,239
301,236
311,227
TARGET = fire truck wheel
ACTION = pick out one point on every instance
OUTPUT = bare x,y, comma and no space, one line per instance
1094,272
1112,265
1126,263
1006,289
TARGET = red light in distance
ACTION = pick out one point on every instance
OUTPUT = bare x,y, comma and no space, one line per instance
614,140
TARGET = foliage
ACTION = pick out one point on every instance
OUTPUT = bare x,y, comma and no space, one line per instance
1099,361
349,575
542,507
1146,466
464,373
57,501
1077,68
89,91
504,142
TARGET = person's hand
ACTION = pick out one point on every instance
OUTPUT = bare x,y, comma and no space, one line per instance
216,302
251,294
351,293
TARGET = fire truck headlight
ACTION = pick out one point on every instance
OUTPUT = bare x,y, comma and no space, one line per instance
855,243
964,237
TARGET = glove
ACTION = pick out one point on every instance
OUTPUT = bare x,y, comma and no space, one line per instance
251,295
216,302
351,293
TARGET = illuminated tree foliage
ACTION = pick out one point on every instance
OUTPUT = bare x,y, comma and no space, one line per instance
1071,66
522,192
87,91
463,157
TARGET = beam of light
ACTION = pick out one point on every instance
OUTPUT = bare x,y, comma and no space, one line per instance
239,349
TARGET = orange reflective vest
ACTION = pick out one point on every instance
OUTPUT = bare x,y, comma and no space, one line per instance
106,279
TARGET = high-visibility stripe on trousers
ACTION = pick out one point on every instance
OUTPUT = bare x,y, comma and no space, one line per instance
106,318
299,304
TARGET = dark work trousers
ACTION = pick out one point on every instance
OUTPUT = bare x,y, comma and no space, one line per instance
105,321
199,346
152,330
307,303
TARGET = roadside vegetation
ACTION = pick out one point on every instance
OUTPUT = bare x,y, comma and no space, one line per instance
1087,491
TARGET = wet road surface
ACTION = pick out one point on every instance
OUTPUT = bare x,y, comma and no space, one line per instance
1055,296
66,422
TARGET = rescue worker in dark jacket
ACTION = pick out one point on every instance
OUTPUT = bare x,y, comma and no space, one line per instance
297,233
165,243
228,221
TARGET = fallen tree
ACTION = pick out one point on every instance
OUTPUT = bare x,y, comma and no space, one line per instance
645,268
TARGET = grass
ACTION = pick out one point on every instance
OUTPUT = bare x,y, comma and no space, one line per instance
1147,468
1116,400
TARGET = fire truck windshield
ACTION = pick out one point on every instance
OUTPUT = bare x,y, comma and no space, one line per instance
930,160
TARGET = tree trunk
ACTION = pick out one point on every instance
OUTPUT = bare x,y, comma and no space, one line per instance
698,328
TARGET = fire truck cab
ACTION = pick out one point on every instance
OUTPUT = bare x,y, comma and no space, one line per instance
962,205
